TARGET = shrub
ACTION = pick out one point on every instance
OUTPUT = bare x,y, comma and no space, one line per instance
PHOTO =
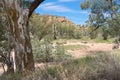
105,67
12,76
46,51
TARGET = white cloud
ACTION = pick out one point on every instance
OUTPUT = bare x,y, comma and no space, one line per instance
83,12
67,0
54,7
58,8
47,4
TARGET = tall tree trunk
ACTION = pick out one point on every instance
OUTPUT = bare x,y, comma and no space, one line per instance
18,20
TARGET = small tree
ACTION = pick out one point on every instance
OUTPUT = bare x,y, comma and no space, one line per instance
36,26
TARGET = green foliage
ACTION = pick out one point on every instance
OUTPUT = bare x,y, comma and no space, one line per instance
114,28
2,26
98,18
68,31
6,43
27,3
42,50
93,34
5,37
13,76
85,5
83,61
97,10
40,27
105,34
77,33
45,51
100,40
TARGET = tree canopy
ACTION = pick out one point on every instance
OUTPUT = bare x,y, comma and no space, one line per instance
103,12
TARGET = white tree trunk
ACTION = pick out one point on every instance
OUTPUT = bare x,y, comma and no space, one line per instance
18,20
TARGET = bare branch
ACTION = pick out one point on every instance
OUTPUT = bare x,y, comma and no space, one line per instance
94,29
33,6
97,27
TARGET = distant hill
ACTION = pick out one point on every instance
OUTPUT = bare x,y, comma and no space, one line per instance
59,19
55,19
55,26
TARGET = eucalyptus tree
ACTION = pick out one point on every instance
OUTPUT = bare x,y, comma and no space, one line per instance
101,10
97,10
104,13
18,13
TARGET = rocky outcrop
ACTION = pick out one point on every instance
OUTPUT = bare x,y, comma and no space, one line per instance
58,19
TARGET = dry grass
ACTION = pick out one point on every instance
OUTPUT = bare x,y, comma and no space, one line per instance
74,47
102,66
99,67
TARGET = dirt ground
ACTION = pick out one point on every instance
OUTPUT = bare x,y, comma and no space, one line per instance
91,47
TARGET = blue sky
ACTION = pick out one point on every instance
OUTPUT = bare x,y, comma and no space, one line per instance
67,8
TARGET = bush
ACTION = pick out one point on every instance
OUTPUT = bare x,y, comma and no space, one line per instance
12,76
46,51
105,67
78,34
